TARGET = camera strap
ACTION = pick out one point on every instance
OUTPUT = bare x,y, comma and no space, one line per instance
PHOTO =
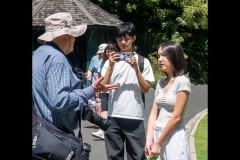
80,119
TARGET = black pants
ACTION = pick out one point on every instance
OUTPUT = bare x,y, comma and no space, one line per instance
104,101
130,131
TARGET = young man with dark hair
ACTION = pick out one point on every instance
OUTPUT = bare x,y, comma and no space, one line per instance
125,105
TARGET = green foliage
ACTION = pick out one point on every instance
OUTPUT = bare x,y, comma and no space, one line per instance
196,48
193,24
130,7
201,139
195,14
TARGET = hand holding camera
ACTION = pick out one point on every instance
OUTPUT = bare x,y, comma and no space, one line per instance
124,56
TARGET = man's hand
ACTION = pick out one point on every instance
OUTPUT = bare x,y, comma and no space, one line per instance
113,57
98,86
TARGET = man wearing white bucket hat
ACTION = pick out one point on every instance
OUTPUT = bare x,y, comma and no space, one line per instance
56,90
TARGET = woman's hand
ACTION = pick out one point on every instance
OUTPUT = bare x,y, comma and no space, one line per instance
156,149
148,148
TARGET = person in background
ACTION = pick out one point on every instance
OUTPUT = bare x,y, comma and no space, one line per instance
56,90
166,136
92,73
102,97
125,105
95,63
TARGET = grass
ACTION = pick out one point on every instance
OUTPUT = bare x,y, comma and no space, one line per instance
201,139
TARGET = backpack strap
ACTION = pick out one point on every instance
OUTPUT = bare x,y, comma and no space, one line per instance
141,63
141,67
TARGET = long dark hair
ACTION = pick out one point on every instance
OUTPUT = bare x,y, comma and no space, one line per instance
175,54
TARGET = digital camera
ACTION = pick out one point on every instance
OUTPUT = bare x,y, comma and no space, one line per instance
125,56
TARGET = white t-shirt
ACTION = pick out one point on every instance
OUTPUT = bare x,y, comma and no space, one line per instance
126,101
166,101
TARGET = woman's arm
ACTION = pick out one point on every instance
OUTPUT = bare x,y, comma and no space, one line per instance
150,127
181,100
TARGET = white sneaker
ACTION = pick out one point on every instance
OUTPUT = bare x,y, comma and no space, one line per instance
98,134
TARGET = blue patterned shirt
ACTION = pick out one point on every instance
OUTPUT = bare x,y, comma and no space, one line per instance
94,66
56,89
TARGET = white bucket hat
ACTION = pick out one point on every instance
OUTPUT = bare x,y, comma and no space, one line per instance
59,24
101,48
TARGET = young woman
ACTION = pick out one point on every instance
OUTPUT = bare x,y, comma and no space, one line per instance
166,136
102,97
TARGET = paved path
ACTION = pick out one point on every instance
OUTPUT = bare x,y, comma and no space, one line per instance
191,128
196,108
